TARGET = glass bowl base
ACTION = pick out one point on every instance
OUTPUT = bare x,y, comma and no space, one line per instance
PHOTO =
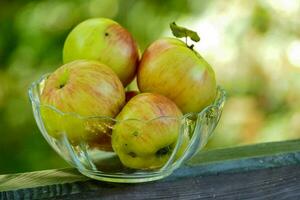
128,179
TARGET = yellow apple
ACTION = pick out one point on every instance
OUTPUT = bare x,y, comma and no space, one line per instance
79,90
171,68
146,131
106,41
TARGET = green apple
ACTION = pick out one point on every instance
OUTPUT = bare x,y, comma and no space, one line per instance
82,89
171,68
106,41
146,131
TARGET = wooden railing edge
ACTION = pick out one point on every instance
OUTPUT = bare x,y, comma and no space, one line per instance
207,162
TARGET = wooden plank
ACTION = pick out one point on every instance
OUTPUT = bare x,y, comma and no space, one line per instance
246,151
276,183
279,183
238,165
53,183
39,178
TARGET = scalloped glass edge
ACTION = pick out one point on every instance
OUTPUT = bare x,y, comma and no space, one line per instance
198,139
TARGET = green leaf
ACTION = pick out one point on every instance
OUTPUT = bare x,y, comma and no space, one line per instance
180,32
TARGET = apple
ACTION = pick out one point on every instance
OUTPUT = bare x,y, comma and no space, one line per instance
146,131
171,68
82,89
106,41
130,94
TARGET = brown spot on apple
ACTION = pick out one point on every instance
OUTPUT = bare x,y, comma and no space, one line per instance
163,151
132,154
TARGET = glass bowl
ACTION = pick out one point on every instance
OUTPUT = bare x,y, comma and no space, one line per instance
92,159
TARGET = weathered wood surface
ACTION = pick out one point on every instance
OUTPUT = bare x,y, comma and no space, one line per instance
281,183
276,183
224,173
40,178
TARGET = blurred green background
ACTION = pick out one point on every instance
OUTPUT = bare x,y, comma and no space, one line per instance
254,47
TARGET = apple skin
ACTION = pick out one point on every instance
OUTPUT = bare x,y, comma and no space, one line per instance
168,67
142,137
130,94
85,88
106,41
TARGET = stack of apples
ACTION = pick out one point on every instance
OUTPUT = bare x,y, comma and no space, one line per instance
100,59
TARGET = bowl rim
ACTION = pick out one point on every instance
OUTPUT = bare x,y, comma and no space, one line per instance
35,100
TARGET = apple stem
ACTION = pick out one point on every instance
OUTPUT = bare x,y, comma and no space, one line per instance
180,32
186,42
